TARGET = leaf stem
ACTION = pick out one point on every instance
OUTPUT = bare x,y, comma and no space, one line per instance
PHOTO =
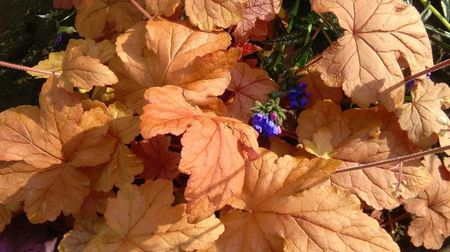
436,13
436,67
396,160
25,68
139,7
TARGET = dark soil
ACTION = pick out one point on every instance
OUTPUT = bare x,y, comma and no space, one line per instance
25,39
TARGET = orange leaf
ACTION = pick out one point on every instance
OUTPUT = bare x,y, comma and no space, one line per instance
318,90
169,53
84,71
213,147
360,136
254,10
431,224
99,18
423,118
77,239
142,219
159,161
209,14
249,85
380,38
123,164
283,209
49,144
161,7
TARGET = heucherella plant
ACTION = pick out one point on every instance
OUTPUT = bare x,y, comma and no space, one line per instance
146,137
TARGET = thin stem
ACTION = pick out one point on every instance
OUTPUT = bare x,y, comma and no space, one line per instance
436,67
436,13
139,7
25,68
428,70
396,160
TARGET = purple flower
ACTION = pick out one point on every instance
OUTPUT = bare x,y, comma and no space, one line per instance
298,96
59,38
265,125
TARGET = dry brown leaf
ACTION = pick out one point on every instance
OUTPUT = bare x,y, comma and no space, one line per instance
360,136
254,10
159,161
142,219
431,208
423,118
170,53
161,7
380,38
103,18
249,85
209,14
283,209
49,144
213,151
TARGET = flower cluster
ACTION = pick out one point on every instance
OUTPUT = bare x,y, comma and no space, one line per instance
268,117
298,96
266,124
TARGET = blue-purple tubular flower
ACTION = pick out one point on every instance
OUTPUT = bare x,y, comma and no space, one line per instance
59,38
265,125
298,96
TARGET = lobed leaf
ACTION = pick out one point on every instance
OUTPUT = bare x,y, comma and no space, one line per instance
142,219
283,209
249,85
360,136
423,118
380,38
214,147
431,224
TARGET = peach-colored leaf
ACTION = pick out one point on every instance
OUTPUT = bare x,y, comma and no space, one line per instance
77,239
102,18
249,85
318,90
161,7
52,64
95,203
283,209
49,144
380,38
209,14
123,164
423,118
431,208
169,53
47,193
159,161
360,136
84,71
142,219
104,50
213,147
120,170
254,10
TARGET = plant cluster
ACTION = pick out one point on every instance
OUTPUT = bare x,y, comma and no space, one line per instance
213,125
